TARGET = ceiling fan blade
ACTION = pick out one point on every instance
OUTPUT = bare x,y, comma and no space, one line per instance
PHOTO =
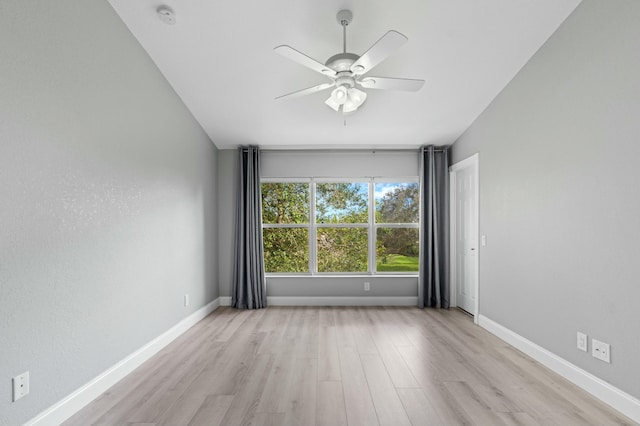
307,91
387,83
381,50
291,53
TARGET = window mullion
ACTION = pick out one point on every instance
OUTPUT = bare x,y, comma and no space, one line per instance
313,261
372,224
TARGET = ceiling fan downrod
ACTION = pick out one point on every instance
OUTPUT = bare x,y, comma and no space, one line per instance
344,18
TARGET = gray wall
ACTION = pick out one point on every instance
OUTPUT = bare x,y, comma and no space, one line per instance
312,164
342,286
227,169
559,192
107,200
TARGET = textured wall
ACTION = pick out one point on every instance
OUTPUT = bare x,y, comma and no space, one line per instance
107,200
227,169
559,199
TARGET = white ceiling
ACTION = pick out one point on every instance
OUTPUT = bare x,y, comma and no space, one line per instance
219,59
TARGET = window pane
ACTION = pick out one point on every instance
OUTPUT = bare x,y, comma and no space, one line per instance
397,249
286,249
342,250
285,203
397,202
342,202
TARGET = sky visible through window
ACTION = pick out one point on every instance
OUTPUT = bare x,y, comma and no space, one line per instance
380,190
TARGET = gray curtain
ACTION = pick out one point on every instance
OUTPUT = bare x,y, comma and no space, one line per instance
249,284
433,289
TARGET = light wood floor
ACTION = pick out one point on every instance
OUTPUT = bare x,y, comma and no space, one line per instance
339,366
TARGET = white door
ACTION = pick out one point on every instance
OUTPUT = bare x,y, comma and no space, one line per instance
465,176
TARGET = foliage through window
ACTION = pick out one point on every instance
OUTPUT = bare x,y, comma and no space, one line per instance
397,236
340,227
285,218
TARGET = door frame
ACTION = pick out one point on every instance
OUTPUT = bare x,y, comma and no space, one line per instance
473,160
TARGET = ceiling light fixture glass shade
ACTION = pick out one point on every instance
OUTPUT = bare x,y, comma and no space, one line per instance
355,99
337,98
339,95
349,98
334,105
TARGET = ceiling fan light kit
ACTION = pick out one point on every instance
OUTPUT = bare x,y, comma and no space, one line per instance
346,70
349,99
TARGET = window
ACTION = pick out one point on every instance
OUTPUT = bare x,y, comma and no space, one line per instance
397,227
342,225
324,227
285,223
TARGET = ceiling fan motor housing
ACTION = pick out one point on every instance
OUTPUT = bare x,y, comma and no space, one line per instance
342,61
345,79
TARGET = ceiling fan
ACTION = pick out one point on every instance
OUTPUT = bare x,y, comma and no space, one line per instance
347,70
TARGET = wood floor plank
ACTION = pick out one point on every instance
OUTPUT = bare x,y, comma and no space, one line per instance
517,419
418,407
212,411
246,400
182,410
388,321
308,339
472,404
328,358
357,394
386,338
273,325
344,329
362,333
275,396
431,384
302,398
386,401
342,365
265,419
331,410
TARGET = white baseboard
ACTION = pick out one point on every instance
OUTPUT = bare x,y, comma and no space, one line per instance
71,404
616,398
342,301
225,300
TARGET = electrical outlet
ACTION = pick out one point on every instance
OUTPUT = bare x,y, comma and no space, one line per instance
20,386
582,342
367,286
186,299
601,350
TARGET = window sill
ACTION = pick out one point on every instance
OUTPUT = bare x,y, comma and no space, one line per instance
359,276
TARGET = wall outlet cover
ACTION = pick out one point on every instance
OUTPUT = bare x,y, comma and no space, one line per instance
582,341
601,350
20,386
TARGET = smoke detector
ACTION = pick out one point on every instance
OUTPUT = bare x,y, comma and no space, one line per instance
166,15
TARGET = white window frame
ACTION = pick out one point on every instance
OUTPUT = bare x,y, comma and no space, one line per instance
312,261
371,226
373,238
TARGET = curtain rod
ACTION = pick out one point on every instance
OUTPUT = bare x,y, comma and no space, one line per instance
421,149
